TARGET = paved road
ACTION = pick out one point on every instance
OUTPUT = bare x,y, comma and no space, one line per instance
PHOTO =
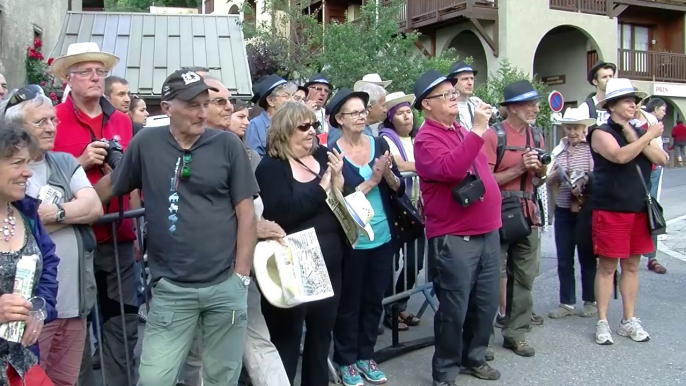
566,351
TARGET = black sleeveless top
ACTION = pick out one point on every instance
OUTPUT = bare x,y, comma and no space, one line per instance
617,187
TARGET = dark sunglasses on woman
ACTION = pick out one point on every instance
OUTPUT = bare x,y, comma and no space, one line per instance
306,126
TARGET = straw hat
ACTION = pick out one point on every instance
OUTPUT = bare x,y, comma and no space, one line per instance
396,98
576,116
79,53
371,79
620,88
267,272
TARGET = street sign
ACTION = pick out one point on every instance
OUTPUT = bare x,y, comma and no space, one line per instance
556,101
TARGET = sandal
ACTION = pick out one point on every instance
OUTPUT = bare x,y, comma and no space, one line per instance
654,266
401,324
561,311
410,320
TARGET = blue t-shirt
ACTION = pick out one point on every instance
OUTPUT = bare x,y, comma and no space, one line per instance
379,223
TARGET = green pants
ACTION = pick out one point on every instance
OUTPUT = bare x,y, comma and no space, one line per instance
220,311
523,264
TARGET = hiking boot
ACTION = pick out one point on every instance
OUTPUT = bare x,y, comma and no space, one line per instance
520,348
560,312
590,309
350,376
499,320
484,371
370,371
444,383
603,334
490,355
633,329
536,320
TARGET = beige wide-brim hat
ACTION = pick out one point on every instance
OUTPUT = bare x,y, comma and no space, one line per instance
396,98
79,53
267,272
620,88
361,211
576,116
371,79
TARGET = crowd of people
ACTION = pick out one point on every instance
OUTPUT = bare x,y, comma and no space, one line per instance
223,175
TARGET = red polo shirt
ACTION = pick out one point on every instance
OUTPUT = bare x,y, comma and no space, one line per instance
442,158
75,131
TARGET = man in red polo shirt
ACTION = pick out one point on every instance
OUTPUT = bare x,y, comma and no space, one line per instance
86,119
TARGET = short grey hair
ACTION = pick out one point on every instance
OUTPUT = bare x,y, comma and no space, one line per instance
17,113
375,92
289,87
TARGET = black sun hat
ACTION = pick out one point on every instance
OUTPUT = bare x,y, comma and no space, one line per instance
338,100
520,91
427,82
459,68
598,66
264,87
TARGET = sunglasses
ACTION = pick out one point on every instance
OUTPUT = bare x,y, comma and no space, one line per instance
23,94
305,127
186,166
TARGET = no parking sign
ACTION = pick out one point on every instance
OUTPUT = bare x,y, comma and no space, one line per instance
556,101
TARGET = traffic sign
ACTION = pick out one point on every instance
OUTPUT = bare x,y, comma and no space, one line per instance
556,101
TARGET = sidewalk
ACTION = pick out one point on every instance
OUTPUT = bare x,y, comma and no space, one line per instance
674,242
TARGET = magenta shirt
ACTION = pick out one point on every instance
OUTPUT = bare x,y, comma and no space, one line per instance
442,160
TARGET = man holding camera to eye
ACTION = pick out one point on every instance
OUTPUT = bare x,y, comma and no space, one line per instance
517,159
462,208
94,132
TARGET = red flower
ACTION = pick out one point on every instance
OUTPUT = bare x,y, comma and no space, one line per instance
43,84
53,96
50,61
37,43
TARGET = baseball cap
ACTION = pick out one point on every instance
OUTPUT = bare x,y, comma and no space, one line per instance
184,85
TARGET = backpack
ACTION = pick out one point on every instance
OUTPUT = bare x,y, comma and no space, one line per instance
592,112
501,134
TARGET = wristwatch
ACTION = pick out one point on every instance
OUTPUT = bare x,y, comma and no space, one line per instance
245,279
60,213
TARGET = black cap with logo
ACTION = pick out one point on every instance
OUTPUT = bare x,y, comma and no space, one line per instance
184,85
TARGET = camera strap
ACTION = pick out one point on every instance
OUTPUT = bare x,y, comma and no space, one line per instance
461,137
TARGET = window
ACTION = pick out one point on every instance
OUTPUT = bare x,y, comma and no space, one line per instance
634,38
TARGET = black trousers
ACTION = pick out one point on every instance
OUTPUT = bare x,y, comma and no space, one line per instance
286,328
366,275
566,241
466,277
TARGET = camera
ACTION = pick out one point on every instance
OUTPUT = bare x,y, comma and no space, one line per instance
115,153
543,157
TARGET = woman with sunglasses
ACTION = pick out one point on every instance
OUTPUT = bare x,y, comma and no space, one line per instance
368,168
295,178
23,240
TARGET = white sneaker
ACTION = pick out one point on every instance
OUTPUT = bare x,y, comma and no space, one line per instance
603,335
633,329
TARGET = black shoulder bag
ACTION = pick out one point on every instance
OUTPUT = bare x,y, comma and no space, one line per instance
656,219
471,188
516,224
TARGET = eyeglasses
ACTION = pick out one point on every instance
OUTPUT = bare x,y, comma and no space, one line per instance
43,123
298,98
285,96
220,101
186,166
320,89
24,94
448,95
357,114
305,127
101,72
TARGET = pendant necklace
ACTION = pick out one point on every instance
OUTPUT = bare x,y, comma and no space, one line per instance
9,224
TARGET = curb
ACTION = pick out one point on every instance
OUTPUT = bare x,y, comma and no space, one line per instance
662,247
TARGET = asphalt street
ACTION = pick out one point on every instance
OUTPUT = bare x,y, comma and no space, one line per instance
566,352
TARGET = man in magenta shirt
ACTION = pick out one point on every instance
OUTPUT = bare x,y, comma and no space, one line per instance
464,243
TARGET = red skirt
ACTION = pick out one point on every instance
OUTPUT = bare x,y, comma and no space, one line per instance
35,377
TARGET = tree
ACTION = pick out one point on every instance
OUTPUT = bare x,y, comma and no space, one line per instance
345,51
491,92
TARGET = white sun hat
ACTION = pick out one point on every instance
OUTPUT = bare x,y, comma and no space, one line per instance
267,273
361,211
79,53
576,116
371,79
619,88
396,98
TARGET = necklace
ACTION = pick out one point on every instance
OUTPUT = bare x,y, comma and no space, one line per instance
9,224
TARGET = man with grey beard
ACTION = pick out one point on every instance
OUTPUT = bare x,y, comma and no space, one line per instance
518,169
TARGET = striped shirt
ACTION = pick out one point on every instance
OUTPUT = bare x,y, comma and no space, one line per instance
572,158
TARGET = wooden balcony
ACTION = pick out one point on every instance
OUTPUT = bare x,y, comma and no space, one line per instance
423,13
674,5
652,66
613,8
595,7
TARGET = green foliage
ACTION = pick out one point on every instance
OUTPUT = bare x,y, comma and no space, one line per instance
491,92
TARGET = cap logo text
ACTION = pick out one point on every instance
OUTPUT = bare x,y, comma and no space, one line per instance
190,77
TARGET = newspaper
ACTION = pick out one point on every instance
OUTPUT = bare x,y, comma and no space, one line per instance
336,202
303,273
23,285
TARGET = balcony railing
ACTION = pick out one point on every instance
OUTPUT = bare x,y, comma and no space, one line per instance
597,7
420,13
650,65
